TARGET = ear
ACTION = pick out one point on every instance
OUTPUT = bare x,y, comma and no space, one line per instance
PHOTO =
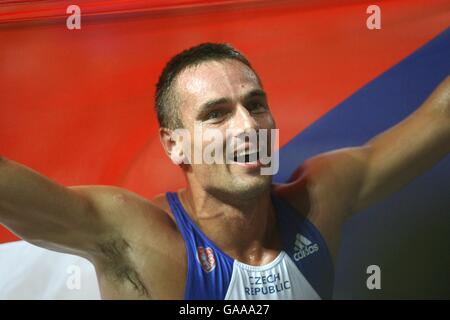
172,147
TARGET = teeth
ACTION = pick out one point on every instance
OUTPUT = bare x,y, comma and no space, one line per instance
243,155
246,153
246,157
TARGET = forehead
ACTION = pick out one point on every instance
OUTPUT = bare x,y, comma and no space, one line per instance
215,79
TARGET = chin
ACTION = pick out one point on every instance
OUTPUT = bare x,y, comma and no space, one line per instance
242,188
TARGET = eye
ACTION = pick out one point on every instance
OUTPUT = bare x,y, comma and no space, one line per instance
257,107
215,115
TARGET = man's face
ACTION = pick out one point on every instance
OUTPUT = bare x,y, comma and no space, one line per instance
225,96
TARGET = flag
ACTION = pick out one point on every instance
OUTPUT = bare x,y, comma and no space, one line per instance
77,105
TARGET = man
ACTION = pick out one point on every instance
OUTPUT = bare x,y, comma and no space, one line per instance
230,234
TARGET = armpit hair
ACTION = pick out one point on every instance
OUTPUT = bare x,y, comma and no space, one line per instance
115,255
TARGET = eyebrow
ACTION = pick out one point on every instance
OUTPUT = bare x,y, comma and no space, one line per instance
215,102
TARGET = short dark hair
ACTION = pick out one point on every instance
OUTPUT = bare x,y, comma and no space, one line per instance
165,100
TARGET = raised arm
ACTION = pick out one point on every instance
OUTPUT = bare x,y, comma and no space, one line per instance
67,219
129,239
333,185
395,157
348,180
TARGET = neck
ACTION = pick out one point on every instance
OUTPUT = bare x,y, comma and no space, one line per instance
243,229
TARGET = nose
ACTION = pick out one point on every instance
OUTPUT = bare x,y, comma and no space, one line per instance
243,121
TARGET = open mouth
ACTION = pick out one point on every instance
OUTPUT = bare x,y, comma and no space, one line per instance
246,157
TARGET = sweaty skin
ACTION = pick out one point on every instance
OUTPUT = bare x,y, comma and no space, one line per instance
134,243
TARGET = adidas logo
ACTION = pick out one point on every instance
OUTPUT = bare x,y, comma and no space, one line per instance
303,247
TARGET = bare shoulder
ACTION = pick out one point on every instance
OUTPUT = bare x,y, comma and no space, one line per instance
128,215
327,180
321,190
143,247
